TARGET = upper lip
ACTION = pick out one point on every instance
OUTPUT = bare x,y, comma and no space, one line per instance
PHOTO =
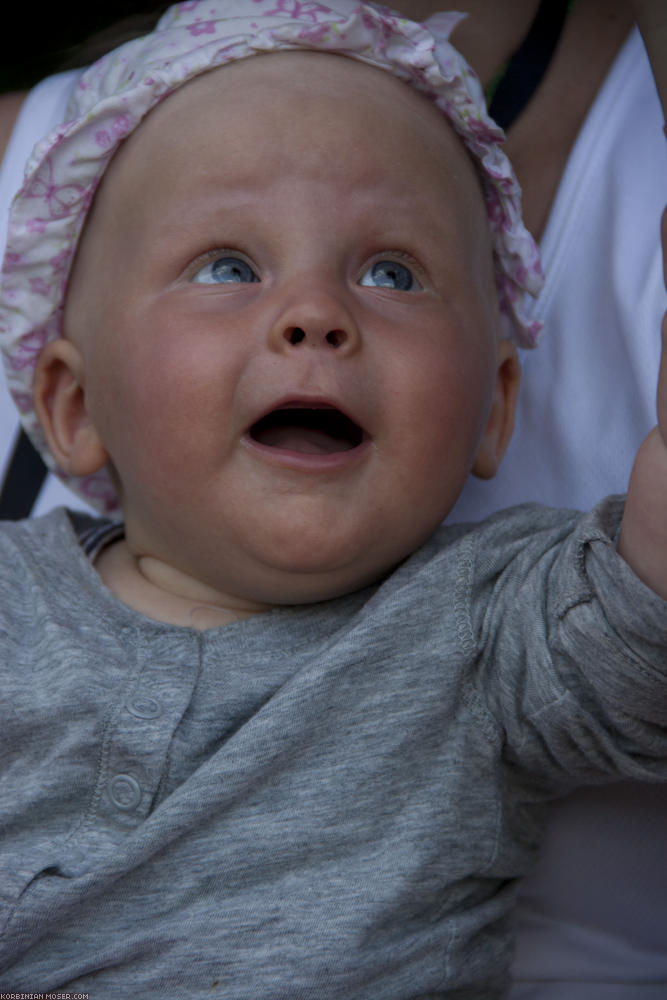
306,402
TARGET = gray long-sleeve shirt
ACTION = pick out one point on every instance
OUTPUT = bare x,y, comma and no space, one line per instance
328,802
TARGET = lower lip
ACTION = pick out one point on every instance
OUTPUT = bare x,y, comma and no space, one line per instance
305,462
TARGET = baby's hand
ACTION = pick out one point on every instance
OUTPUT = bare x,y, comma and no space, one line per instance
651,17
643,538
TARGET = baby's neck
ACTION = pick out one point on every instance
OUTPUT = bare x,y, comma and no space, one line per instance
165,594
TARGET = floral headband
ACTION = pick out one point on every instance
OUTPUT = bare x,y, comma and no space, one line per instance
113,96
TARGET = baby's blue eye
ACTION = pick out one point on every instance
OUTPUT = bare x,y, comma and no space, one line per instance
389,274
225,271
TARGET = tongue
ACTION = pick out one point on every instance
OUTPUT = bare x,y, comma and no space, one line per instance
307,440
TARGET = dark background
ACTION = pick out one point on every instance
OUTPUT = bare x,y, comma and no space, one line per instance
42,38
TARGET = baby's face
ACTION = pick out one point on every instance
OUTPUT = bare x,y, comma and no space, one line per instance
285,305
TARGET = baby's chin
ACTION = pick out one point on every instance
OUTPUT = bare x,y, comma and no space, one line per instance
300,585
268,549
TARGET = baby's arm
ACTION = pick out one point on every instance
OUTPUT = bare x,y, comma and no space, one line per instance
643,538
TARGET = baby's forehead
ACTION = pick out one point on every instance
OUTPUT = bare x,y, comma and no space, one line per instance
310,107
295,82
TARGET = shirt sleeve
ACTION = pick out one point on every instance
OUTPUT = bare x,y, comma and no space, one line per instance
571,648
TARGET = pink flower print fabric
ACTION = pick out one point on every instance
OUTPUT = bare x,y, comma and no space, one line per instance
114,95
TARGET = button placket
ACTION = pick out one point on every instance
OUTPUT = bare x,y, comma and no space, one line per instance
142,734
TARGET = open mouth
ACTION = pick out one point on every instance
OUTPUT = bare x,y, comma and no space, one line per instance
307,430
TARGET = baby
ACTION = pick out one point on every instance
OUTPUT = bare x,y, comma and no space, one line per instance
279,733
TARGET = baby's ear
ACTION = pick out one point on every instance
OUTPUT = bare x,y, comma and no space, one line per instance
61,408
500,424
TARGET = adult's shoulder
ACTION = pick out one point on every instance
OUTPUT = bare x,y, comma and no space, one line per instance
10,107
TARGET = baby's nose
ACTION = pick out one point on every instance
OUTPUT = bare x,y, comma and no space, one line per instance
310,318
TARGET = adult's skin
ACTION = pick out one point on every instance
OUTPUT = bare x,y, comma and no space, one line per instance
10,105
651,16
593,33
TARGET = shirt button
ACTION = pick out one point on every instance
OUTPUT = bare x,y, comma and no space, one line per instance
144,707
124,792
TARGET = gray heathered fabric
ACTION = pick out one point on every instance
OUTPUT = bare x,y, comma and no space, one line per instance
327,803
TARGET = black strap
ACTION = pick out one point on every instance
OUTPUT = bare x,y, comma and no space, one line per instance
23,480
529,63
